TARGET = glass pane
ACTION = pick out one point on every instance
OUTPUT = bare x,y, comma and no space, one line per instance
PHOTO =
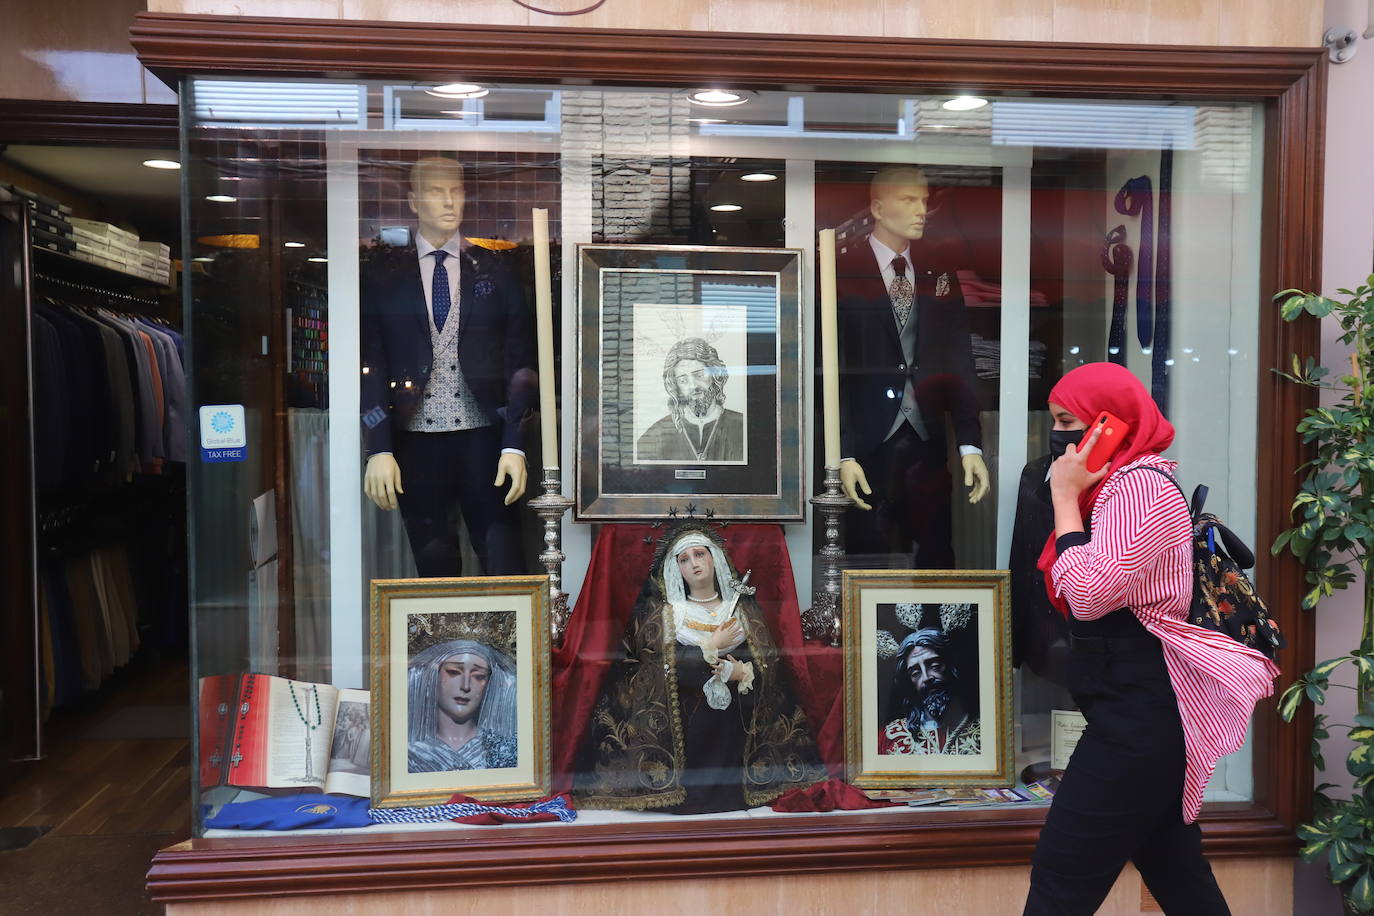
363,305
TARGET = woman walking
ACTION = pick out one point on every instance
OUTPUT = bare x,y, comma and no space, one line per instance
1164,699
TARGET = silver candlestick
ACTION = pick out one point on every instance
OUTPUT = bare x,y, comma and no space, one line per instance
822,619
550,507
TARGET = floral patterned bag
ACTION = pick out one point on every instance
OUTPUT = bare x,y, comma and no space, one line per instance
1223,597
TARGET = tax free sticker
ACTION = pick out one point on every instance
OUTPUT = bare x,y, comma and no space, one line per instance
223,433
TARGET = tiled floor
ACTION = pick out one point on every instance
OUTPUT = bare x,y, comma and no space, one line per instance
113,789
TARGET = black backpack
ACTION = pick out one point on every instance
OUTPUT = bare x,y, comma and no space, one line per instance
1224,600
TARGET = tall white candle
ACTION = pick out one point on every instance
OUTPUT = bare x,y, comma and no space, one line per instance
830,353
543,313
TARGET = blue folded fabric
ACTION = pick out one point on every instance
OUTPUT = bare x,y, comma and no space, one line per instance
293,812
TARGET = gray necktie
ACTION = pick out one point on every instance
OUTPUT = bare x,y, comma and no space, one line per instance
900,291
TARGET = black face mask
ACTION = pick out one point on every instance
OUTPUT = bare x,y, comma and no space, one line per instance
1061,439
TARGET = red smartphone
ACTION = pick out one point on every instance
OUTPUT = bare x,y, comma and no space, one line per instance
1114,431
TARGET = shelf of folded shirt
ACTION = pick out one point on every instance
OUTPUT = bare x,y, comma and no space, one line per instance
79,270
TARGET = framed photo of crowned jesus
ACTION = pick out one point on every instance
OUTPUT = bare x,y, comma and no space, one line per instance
927,678
460,689
689,386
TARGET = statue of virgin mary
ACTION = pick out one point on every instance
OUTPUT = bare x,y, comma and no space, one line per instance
697,715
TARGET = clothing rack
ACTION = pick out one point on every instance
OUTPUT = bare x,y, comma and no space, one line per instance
94,290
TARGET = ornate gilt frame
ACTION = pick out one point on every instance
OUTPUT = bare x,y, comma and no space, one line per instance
535,630
994,658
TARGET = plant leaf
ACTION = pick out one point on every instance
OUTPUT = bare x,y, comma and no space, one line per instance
1362,894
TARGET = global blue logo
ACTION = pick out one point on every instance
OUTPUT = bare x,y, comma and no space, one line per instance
221,422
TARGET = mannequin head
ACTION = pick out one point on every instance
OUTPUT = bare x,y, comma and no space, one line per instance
898,201
436,198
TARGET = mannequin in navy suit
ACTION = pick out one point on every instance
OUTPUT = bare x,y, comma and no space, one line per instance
905,364
448,351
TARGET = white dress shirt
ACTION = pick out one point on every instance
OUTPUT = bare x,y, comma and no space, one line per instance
452,264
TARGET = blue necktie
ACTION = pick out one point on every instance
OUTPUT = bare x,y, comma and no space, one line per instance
439,290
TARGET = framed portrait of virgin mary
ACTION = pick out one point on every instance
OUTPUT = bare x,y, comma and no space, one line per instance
460,689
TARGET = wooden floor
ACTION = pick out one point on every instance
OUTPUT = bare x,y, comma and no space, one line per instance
113,788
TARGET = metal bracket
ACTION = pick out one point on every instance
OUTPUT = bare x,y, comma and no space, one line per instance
1341,43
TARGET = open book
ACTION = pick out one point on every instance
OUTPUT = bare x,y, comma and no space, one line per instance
267,733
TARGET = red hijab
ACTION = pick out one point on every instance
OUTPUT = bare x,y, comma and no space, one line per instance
1087,391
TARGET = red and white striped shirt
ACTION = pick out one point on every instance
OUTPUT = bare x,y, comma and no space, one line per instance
1141,557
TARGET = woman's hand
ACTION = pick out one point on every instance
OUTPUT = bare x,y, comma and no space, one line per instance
728,634
1069,474
737,669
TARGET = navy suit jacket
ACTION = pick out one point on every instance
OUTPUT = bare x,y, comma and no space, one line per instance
873,369
496,344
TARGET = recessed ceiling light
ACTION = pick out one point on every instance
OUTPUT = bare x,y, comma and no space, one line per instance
458,91
318,260
202,259
221,198
964,103
293,244
727,208
162,163
716,98
759,176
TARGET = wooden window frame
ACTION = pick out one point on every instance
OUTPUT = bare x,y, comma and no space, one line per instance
1291,84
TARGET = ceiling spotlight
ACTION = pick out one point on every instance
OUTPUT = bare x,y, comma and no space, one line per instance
964,103
293,244
759,176
203,259
318,260
221,198
716,98
458,91
162,163
727,208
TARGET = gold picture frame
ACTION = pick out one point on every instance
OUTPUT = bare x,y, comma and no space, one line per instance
911,637
487,639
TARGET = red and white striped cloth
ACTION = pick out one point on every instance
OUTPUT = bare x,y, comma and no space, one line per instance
1141,557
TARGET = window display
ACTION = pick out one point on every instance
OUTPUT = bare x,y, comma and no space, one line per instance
689,336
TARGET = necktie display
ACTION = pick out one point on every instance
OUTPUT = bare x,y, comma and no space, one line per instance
1136,198
1117,260
900,291
1160,361
440,293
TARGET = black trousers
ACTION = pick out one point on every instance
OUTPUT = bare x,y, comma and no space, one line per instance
1121,797
441,473
912,519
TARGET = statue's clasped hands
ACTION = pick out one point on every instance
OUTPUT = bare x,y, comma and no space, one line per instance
728,634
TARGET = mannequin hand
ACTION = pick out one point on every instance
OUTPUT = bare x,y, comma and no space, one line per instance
382,481
852,479
727,634
513,466
975,476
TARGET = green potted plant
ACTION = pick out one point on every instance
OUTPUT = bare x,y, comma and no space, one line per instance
1333,536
